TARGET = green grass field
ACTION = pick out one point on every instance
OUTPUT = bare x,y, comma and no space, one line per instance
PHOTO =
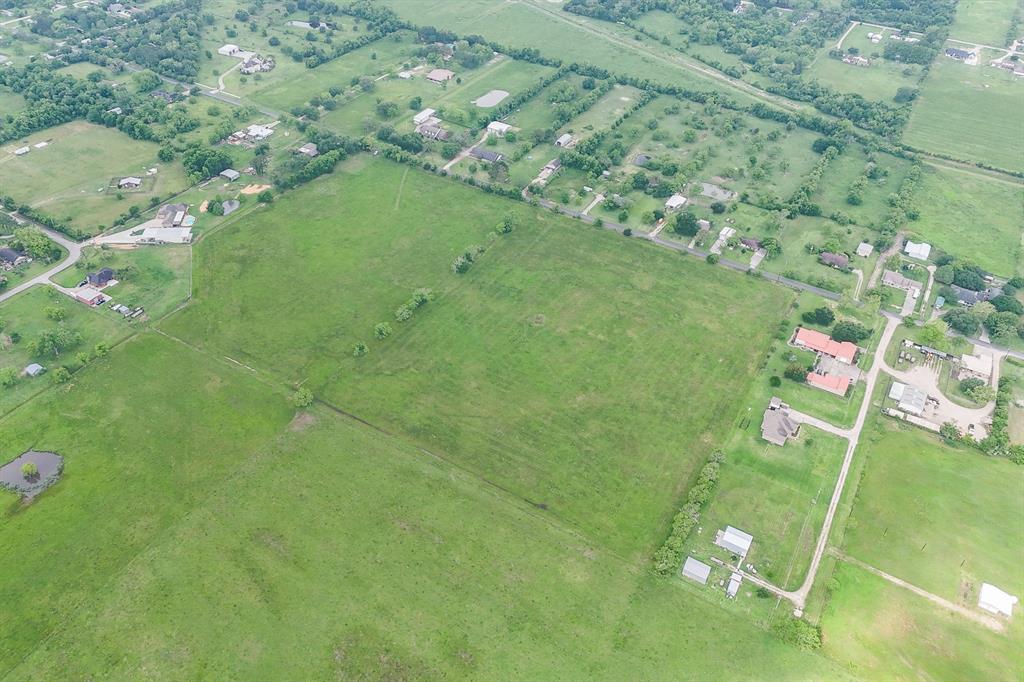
923,509
527,393
70,177
879,81
24,316
972,218
222,548
883,632
983,21
968,113
11,102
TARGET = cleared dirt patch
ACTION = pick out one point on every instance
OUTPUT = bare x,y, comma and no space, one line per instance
254,189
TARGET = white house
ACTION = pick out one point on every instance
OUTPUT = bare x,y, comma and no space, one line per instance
676,201
21,151
734,585
129,183
734,540
916,250
994,600
228,50
498,128
423,116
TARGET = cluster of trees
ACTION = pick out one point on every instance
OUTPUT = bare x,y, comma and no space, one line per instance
669,556
801,202
1000,316
333,148
977,390
420,298
204,162
35,243
165,37
901,203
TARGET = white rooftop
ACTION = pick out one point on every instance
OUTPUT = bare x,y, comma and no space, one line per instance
498,127
864,249
735,540
423,116
917,250
979,364
994,600
675,201
696,570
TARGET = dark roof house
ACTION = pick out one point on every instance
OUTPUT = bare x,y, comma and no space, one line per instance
485,154
10,256
835,260
100,277
641,160
957,53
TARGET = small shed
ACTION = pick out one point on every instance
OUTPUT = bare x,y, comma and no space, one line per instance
309,149
230,174
21,151
34,370
696,570
563,140
994,600
864,249
734,585
734,540
129,183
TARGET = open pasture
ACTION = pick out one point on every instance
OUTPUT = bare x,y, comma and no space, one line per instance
526,393
878,81
983,21
151,557
69,178
927,513
976,219
968,112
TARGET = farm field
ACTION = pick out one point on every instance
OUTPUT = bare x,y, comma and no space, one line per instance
220,565
926,515
983,21
967,112
526,327
882,631
70,178
972,218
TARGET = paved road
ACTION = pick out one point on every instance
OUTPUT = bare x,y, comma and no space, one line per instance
979,618
74,253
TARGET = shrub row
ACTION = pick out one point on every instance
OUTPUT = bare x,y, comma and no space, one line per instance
670,555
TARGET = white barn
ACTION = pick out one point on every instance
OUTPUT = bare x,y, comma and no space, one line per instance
696,570
734,540
994,600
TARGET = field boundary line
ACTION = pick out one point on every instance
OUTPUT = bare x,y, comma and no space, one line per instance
978,618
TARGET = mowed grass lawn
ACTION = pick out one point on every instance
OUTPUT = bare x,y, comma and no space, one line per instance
970,113
71,177
983,21
226,540
973,218
572,366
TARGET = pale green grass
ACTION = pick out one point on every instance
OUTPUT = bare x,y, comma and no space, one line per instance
983,21
973,218
531,390
969,112
70,178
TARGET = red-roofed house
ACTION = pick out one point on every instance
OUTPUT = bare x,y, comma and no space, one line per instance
843,351
832,383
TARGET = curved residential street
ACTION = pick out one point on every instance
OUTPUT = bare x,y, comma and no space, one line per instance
74,253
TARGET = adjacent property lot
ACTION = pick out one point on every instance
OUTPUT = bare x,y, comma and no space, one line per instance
968,113
973,218
878,80
983,21
69,177
527,391
152,557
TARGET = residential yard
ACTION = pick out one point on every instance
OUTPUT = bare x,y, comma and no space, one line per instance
24,318
972,218
70,178
879,81
154,277
777,494
152,558
1015,369
529,391
965,111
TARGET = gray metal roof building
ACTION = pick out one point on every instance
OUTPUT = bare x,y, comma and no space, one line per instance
696,570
